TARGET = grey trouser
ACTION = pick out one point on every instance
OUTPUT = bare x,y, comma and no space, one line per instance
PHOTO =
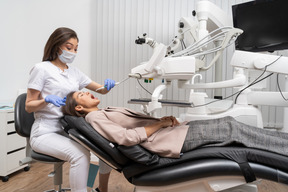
226,130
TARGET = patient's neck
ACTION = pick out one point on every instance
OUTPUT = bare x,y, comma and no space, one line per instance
86,111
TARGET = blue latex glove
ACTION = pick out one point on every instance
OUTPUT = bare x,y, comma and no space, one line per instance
55,100
109,84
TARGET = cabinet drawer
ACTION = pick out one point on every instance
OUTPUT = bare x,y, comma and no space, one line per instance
10,122
10,127
14,141
13,159
10,116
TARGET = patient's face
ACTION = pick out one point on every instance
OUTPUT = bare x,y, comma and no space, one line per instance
86,99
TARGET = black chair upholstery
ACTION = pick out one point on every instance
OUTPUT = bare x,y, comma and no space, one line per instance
23,125
23,120
200,163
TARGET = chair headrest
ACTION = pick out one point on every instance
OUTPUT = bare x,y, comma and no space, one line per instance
80,124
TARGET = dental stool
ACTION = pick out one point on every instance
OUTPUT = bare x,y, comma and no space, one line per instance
23,125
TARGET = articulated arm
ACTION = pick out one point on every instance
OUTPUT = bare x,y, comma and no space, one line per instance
258,61
238,80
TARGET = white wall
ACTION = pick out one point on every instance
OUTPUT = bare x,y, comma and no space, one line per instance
26,25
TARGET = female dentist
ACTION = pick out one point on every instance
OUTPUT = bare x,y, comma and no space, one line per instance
50,81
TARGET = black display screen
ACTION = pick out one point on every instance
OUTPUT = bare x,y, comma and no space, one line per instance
265,25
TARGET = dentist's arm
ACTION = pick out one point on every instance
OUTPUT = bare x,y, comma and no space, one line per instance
108,84
93,86
34,101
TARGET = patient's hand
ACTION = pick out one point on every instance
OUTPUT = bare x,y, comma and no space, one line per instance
169,121
163,123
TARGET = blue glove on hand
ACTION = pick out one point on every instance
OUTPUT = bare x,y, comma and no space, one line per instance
55,100
109,84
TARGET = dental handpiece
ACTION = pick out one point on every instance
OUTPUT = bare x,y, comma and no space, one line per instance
117,83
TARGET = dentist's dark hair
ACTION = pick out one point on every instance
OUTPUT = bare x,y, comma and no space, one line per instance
69,107
56,39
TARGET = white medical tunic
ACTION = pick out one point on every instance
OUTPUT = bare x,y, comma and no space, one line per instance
51,80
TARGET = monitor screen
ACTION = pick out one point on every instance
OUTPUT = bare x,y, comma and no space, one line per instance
264,24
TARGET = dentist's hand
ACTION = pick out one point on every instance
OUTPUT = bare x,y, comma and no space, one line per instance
55,100
109,84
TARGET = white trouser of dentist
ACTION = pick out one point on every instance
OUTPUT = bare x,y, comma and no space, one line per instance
59,145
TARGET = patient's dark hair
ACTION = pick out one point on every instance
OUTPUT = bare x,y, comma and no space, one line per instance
69,108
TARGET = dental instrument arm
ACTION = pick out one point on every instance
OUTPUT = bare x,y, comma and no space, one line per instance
238,81
117,83
213,28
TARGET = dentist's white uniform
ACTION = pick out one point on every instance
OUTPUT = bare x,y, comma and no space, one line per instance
47,135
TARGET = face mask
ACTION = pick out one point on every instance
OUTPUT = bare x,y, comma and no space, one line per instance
67,56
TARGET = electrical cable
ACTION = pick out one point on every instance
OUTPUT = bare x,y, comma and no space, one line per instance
182,41
215,49
278,85
199,44
233,93
143,87
253,83
182,45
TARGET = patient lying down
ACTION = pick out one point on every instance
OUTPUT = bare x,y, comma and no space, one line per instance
166,136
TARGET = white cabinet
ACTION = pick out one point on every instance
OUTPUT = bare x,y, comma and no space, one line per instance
12,146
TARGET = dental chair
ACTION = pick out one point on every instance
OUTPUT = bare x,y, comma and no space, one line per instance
232,168
23,125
